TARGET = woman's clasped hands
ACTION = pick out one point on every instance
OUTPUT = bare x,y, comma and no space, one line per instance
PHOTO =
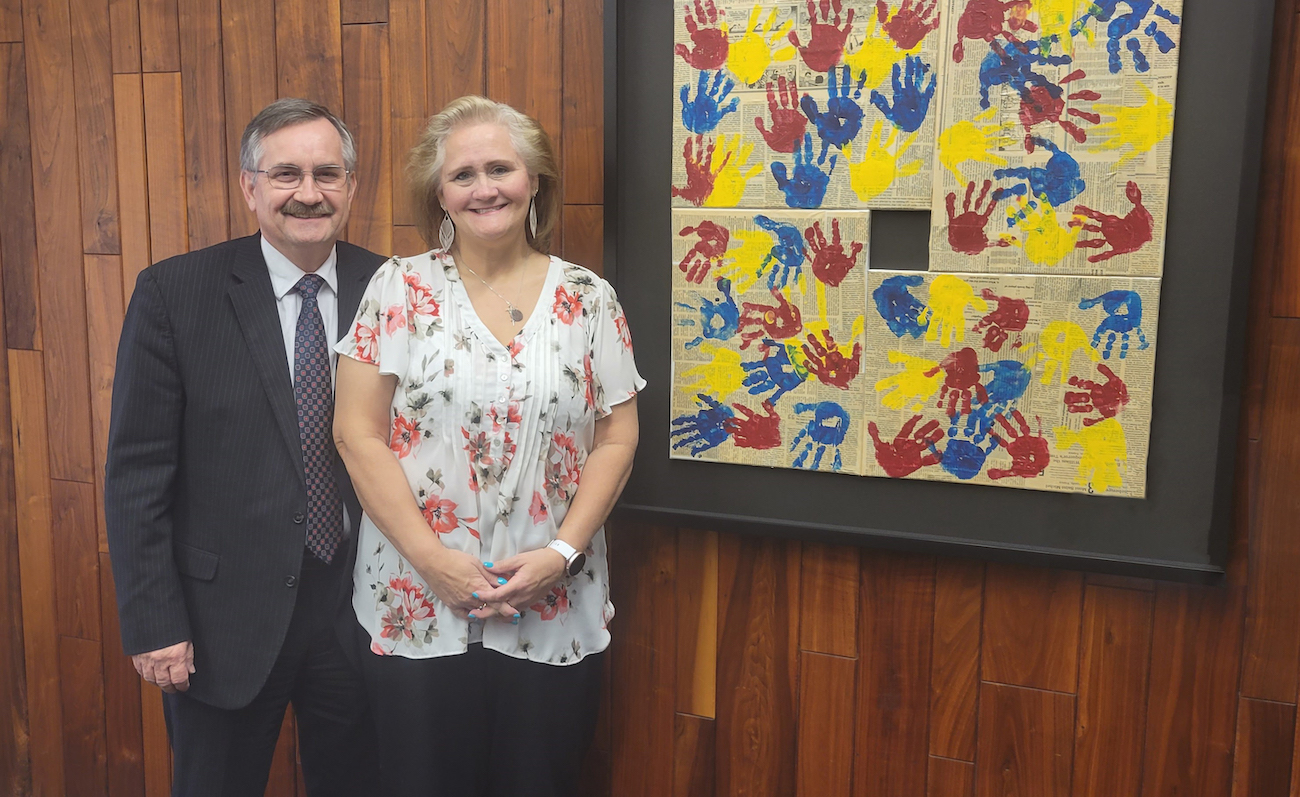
477,590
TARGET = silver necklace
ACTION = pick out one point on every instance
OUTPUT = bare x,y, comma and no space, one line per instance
515,314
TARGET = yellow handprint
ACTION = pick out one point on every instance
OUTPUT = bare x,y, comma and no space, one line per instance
743,263
911,384
876,172
1056,17
1104,447
721,376
749,57
876,56
1056,345
729,183
946,310
968,141
1139,128
1045,242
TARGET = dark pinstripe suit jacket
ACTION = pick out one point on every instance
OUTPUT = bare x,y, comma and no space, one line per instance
205,495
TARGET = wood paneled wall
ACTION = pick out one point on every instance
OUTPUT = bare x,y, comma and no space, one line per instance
742,665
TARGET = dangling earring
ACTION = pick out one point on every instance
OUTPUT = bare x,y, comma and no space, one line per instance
532,216
446,232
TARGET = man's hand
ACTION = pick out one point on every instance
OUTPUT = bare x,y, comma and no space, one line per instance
168,668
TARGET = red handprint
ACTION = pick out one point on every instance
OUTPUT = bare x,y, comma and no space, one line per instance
748,429
826,44
706,253
988,19
1105,399
1029,451
1125,235
700,173
830,262
828,363
1010,315
961,377
1039,104
966,233
776,321
910,24
788,122
709,38
911,450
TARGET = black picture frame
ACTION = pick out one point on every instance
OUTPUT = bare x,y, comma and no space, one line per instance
1180,531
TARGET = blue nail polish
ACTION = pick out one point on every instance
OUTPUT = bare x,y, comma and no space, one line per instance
514,622
471,616
487,564
474,595
516,615
500,580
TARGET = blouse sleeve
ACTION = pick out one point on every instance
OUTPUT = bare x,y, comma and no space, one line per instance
613,367
380,334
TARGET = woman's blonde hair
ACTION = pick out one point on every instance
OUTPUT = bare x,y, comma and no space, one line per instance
424,165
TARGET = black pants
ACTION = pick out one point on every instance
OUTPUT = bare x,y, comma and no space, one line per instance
481,724
227,753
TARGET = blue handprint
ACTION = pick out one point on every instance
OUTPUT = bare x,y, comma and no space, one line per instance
900,309
1008,380
703,113
705,429
1013,66
827,429
1128,25
843,117
775,372
911,102
718,320
808,186
1123,318
964,458
788,253
1057,181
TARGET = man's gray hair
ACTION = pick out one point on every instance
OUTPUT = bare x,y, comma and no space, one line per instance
284,113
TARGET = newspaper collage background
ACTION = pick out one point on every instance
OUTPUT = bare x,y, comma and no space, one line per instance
1038,135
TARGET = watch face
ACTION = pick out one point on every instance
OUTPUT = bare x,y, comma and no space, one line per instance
579,562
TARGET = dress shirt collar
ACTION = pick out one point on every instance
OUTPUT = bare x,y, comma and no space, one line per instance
285,275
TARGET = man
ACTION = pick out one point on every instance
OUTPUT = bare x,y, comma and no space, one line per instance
228,508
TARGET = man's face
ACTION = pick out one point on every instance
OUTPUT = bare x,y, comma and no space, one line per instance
305,219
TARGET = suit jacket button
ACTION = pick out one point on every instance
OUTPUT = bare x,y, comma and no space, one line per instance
299,518
289,581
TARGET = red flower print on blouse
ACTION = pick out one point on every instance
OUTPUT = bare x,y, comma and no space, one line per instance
568,306
562,468
512,416
394,319
479,448
554,604
516,346
407,606
588,382
538,510
419,297
364,337
440,514
405,433
624,334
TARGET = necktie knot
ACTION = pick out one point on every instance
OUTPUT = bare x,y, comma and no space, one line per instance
309,286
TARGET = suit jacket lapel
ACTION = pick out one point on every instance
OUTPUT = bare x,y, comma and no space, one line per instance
259,320
353,279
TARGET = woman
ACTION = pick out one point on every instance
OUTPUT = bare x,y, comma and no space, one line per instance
483,382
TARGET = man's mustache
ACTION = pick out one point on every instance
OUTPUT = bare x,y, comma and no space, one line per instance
301,211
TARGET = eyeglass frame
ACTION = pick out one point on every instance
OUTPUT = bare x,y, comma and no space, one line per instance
302,174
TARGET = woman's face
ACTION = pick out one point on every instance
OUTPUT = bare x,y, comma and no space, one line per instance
485,186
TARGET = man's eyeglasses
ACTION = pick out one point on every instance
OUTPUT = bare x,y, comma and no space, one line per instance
326,178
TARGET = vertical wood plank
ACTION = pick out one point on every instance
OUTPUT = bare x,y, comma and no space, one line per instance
897,614
955,662
123,734
756,699
27,394
164,127
829,600
283,781
247,28
409,93
1265,737
93,67
202,97
82,683
18,258
160,48
825,731
51,97
132,178
584,102
1121,582
309,52
104,312
124,34
11,21
367,110
457,41
358,12
694,759
1031,627
157,751
1026,742
407,242
525,61
697,622
950,778
1112,692
76,559
583,239
644,559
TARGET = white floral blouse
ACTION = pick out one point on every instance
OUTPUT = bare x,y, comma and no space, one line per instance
492,440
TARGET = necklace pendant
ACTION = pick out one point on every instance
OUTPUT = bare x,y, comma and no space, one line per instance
515,315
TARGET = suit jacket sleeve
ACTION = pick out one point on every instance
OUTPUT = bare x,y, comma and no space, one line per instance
144,446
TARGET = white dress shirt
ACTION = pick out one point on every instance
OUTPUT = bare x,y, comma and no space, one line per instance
284,276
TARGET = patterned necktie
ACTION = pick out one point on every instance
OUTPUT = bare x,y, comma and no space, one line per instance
313,391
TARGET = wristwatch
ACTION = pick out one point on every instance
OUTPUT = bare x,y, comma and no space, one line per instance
574,560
